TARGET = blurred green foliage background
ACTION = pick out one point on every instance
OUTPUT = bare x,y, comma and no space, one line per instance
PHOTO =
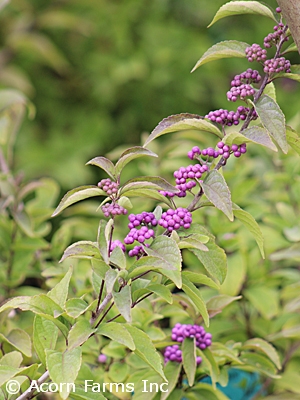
101,72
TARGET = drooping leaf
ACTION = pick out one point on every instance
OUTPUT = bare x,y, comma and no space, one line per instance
82,249
19,339
77,194
254,134
172,371
195,296
259,363
293,139
161,290
145,349
226,49
117,332
180,122
123,302
216,190
265,347
45,335
105,164
59,293
189,359
236,274
273,120
192,243
63,367
216,304
79,333
167,250
250,224
131,154
243,7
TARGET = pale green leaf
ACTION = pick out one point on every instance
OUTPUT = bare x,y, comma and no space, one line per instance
123,302
7,372
131,154
172,371
59,293
117,258
79,333
148,182
13,359
76,307
243,7
63,367
216,190
78,194
82,249
216,304
180,122
273,120
105,164
226,49
264,299
110,279
147,193
293,139
264,347
189,359
45,335
195,296
103,238
117,332
259,363
201,279
254,134
294,74
19,339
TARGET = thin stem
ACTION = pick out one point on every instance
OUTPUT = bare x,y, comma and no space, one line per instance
105,314
29,393
101,307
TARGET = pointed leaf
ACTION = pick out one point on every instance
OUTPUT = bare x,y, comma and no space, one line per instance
264,299
131,154
19,339
260,364
63,367
294,74
79,333
76,307
45,335
226,49
117,332
145,349
265,347
189,359
77,194
216,190
293,139
161,291
250,224
167,250
123,302
254,134
103,238
180,122
148,263
194,295
202,279
273,120
7,372
82,249
59,293
216,304
148,193
243,7
105,164
172,371
110,279
117,258
148,182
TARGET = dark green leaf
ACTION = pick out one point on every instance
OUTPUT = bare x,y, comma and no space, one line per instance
105,164
273,120
194,295
180,122
123,302
82,249
243,7
216,190
189,359
226,49
118,333
77,194
45,335
254,134
131,154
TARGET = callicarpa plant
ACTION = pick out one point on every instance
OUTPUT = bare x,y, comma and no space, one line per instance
136,275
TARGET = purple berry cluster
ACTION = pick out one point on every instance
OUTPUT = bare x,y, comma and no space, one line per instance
173,353
229,118
175,219
108,186
236,150
241,85
137,251
180,332
112,209
275,65
146,221
144,218
273,38
117,243
256,53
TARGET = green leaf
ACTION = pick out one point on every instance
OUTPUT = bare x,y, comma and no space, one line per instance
180,122
226,49
236,274
110,279
145,349
7,372
259,363
242,7
131,154
291,253
118,333
63,367
105,164
202,279
148,263
205,391
118,371
148,182
294,74
216,190
45,335
189,359
194,295
264,347
77,194
13,359
117,258
216,304
19,339
264,299
82,249
59,293
76,307
273,120
79,333
147,193
213,366
104,230
123,302
83,394
192,243
172,371
293,332
251,225
293,139
168,252
254,134
162,291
